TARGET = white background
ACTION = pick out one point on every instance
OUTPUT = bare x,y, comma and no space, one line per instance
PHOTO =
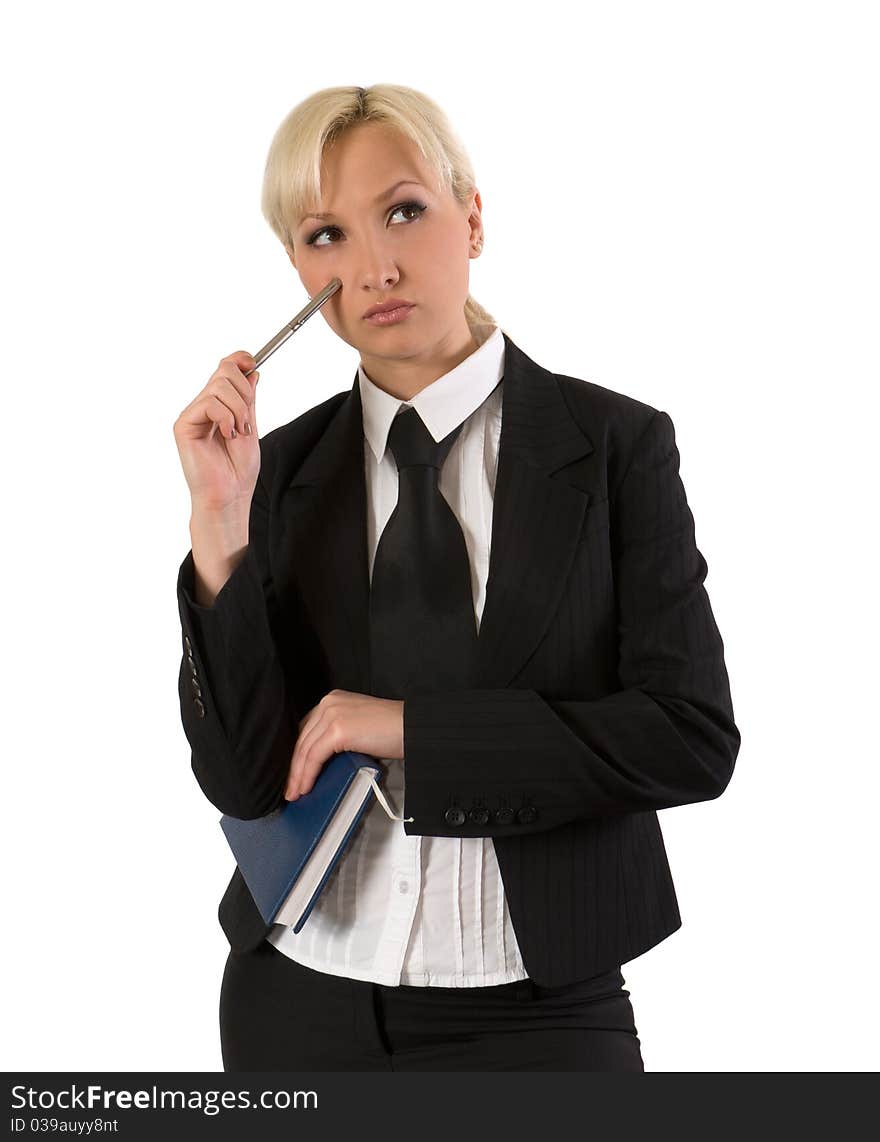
680,203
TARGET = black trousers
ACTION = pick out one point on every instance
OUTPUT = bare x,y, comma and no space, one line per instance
278,1015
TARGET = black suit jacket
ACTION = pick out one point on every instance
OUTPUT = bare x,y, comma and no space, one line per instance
602,689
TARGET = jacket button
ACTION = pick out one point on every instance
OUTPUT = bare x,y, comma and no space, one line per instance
192,663
200,707
187,644
503,816
455,816
197,690
479,815
527,814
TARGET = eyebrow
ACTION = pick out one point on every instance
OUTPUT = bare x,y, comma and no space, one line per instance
379,197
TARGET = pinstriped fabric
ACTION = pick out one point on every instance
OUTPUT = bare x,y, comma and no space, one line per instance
607,696
633,623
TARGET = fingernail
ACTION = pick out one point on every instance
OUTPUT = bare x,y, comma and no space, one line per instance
247,427
234,433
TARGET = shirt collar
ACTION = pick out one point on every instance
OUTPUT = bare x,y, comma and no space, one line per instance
445,403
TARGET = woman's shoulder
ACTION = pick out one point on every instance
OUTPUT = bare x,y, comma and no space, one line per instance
592,403
613,421
603,414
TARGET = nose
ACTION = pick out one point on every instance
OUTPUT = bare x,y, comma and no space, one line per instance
376,267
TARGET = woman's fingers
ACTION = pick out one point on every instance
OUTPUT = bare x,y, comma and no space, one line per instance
228,400
234,415
222,416
229,409
222,475
310,754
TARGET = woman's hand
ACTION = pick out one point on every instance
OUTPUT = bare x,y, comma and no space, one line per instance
343,721
221,468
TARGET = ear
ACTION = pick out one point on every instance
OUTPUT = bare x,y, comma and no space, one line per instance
475,220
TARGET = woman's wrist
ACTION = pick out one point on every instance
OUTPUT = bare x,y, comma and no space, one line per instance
219,541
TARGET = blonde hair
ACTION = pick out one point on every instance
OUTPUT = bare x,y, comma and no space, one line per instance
292,178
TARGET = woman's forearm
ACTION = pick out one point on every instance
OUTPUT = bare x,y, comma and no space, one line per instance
219,541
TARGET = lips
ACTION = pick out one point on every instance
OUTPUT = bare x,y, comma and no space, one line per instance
387,306
396,316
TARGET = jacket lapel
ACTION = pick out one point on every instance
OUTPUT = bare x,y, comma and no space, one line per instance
536,524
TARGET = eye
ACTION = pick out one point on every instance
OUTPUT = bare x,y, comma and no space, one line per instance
418,207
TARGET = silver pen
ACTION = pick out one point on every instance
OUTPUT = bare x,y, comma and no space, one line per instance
282,335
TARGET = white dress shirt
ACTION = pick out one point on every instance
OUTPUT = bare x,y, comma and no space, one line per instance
404,909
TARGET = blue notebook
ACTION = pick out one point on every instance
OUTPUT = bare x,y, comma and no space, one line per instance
286,857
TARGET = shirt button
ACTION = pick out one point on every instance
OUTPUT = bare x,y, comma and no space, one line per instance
403,886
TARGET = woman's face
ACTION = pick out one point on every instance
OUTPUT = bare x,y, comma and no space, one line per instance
384,241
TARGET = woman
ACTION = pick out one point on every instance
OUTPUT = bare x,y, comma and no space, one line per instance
479,572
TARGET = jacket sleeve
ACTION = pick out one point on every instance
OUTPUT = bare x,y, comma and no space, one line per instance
234,706
667,737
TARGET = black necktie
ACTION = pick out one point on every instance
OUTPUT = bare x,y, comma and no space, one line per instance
423,632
